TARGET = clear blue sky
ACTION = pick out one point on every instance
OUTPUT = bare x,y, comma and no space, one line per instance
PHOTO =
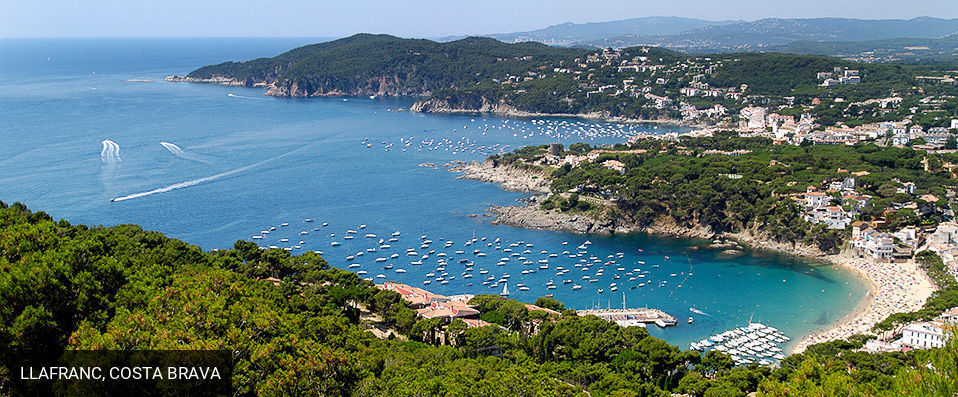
411,18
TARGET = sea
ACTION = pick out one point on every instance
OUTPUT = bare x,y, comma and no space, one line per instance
92,133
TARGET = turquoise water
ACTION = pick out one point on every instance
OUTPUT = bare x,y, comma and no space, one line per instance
234,163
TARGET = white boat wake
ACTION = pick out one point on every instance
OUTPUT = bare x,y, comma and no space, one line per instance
232,95
697,311
210,178
110,153
179,152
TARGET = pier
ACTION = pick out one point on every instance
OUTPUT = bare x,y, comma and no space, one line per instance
632,317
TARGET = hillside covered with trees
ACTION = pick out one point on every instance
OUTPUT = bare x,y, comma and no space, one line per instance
751,190
66,287
366,64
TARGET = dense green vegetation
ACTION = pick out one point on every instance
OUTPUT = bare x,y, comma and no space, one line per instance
753,191
366,64
66,286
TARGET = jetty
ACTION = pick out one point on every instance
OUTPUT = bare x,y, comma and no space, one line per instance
632,317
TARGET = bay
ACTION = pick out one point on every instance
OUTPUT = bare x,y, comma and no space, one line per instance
213,164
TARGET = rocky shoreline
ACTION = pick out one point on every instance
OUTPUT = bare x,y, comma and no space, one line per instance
503,109
212,80
509,178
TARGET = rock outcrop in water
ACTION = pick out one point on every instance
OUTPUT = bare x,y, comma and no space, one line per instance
510,178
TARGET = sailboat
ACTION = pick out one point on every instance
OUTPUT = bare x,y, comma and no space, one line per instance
505,290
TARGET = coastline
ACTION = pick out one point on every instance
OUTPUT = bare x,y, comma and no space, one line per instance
892,287
500,109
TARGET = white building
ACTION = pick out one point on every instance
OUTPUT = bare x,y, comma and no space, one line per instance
817,199
900,139
946,234
755,116
875,346
832,216
923,335
877,245
950,316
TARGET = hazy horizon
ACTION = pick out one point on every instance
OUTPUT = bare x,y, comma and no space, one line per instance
415,19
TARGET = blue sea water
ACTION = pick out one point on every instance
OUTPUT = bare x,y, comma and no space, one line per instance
213,164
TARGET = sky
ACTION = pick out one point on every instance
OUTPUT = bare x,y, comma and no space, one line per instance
406,18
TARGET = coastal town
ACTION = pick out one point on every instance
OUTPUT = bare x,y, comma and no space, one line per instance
759,95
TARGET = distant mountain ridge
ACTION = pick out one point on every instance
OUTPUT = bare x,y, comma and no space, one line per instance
744,36
698,35
944,49
573,33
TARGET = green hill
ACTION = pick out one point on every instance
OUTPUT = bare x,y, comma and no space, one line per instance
366,64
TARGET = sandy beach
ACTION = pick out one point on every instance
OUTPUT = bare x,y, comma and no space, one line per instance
893,287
